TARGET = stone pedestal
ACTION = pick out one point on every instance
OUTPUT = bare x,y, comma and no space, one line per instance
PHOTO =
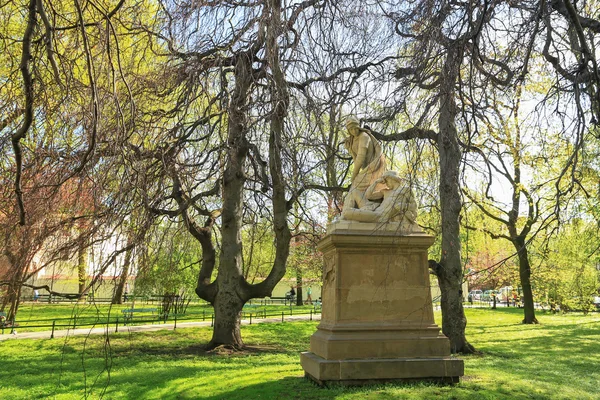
377,317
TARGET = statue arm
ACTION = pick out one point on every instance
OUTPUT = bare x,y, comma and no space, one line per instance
371,194
348,145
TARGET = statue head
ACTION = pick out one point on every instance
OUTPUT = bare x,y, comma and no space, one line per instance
353,125
392,179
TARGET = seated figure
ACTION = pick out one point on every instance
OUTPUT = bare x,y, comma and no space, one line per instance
392,203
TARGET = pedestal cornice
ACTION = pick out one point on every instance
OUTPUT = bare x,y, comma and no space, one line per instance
364,239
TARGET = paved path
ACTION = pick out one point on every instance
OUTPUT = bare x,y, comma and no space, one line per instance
101,330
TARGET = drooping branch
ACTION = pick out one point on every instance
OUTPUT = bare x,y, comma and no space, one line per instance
256,158
20,134
94,91
10,118
281,100
92,24
566,9
296,195
357,70
48,39
484,209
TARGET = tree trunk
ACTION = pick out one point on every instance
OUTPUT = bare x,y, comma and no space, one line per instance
14,294
232,290
82,261
120,289
228,310
298,286
450,276
334,198
525,275
453,315
5,299
15,297
230,296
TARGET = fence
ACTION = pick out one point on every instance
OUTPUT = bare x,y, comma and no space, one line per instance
74,298
52,324
257,309
519,304
153,299
490,303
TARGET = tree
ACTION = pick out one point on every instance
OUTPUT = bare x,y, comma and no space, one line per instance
53,215
213,164
171,265
121,289
65,82
506,156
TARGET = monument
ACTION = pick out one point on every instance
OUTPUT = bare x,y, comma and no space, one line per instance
377,316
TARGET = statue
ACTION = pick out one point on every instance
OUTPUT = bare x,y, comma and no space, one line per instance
397,202
375,195
369,163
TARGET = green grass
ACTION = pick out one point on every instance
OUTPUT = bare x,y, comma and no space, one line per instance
554,360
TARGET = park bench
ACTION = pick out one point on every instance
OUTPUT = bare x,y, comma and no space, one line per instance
252,308
283,299
63,298
128,313
318,306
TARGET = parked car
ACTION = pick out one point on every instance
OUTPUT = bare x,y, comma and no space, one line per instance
475,295
488,295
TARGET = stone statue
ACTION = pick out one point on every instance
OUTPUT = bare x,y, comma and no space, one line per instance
369,163
375,195
393,203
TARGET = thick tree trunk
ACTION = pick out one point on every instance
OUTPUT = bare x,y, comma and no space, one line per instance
450,275
230,296
15,301
228,309
232,290
5,299
525,275
454,321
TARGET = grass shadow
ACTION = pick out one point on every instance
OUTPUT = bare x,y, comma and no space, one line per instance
553,360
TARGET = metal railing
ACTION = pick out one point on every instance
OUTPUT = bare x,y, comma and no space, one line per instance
52,324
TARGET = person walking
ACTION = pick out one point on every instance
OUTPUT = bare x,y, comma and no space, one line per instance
308,296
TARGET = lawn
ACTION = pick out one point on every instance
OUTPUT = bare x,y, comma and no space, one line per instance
554,360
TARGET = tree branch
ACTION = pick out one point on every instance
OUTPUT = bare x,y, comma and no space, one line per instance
20,134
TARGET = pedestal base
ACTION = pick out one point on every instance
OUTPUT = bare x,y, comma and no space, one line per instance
377,320
367,371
